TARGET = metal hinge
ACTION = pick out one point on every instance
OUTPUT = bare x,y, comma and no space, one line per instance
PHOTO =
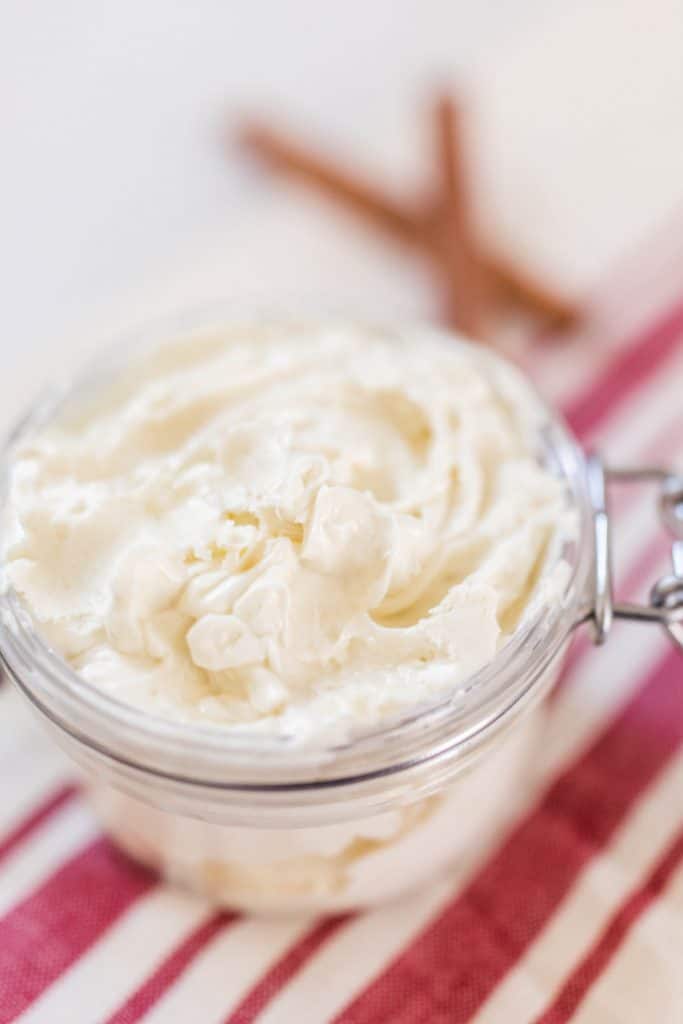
666,596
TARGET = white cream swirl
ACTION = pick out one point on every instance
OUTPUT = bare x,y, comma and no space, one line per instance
287,527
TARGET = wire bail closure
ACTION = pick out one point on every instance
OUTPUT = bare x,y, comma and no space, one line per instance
666,596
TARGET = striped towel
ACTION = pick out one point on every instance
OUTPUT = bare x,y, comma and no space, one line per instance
574,913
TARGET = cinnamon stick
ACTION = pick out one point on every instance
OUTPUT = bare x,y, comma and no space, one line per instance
454,241
525,289
438,231
370,202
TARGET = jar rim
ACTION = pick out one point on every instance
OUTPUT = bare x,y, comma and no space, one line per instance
213,757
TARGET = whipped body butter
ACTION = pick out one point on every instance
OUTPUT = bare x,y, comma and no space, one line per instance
287,592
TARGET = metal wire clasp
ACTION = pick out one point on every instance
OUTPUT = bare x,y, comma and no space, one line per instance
666,596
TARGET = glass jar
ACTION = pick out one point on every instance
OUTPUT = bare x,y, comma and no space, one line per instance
258,824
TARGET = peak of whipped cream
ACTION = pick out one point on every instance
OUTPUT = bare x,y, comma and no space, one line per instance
296,529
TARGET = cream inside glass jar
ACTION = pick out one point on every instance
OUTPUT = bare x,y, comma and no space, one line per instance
288,592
